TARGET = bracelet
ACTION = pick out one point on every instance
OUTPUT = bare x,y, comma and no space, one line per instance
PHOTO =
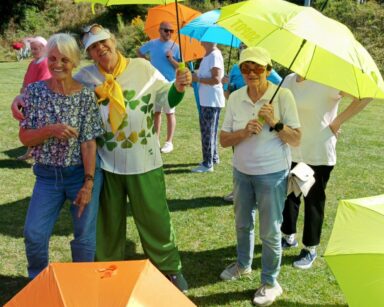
88,177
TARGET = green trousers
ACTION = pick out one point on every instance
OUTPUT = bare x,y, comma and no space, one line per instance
150,211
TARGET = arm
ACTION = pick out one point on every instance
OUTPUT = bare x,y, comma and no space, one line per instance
16,106
172,60
88,153
228,139
33,137
356,106
213,80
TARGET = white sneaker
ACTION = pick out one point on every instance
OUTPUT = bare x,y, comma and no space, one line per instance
267,294
233,272
167,148
202,169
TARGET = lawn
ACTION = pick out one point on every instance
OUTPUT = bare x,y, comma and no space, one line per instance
204,223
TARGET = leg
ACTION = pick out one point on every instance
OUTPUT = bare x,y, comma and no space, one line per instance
207,135
314,206
44,208
271,190
245,211
291,212
171,126
150,210
111,220
157,123
216,159
83,246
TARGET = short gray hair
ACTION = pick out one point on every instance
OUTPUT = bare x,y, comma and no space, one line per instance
66,44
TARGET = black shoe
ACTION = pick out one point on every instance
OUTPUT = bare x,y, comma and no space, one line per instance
179,281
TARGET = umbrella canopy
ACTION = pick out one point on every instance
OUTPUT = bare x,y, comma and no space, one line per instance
355,251
191,48
125,2
99,284
330,54
205,29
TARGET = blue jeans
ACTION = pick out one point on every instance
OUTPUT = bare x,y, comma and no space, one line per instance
267,194
53,186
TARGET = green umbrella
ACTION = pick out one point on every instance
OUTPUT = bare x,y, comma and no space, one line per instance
355,251
309,43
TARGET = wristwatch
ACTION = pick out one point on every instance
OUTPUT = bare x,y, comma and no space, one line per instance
278,127
88,177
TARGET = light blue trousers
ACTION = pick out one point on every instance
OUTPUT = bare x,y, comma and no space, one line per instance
267,194
54,185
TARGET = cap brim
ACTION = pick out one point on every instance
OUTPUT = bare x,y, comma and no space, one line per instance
93,38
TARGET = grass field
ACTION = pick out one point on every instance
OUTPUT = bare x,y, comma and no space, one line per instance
204,223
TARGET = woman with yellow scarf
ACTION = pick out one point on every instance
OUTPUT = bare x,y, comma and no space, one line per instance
130,155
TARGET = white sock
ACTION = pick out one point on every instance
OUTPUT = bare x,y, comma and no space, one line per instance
289,238
311,249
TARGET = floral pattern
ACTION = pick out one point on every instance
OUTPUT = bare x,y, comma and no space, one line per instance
44,107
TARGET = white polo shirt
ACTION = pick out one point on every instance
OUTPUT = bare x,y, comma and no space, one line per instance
265,152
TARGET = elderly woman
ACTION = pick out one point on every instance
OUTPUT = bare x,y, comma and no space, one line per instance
61,121
130,155
260,133
212,100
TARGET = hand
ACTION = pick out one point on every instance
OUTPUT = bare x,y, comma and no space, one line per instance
266,112
195,78
183,79
16,106
225,79
253,127
63,131
169,54
335,128
83,197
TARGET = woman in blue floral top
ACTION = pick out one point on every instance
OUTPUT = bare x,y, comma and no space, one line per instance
61,121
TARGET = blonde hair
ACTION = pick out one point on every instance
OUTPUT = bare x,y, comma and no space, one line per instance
66,44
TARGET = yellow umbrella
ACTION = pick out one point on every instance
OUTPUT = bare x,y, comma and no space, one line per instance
355,251
309,43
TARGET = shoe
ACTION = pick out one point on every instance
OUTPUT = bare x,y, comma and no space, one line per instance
216,162
202,169
267,294
167,148
179,281
234,271
229,197
305,259
286,245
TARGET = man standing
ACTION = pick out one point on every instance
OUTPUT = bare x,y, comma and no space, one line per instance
164,55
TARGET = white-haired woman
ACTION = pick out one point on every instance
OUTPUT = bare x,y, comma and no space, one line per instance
61,121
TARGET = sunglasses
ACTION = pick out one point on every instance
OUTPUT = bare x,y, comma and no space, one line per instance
258,69
168,30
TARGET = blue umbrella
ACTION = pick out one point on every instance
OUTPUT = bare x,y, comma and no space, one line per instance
204,29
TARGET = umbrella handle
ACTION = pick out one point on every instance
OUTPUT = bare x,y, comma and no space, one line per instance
178,30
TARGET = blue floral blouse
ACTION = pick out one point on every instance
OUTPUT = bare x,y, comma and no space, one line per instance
44,107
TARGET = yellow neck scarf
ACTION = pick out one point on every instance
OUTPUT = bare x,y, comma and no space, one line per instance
111,90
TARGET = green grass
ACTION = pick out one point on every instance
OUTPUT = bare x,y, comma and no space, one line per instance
204,223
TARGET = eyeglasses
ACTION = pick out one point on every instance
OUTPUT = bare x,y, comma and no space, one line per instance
258,69
168,30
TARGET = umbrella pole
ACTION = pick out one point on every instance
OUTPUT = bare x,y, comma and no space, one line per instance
178,30
229,58
289,68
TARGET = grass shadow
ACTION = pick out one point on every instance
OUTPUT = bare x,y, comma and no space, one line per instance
198,202
15,152
10,286
14,164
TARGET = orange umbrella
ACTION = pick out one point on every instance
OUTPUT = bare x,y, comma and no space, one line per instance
191,48
100,284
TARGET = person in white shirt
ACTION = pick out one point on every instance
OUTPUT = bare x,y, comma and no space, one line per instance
212,100
317,105
260,133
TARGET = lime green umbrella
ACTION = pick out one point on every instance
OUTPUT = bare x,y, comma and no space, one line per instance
355,251
309,43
